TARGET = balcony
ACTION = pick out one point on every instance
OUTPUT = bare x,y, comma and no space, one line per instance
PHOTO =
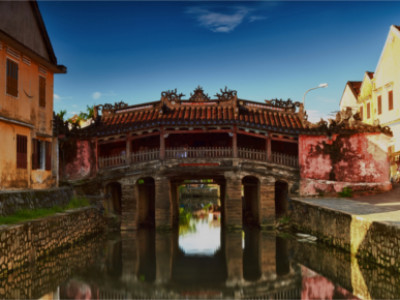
193,153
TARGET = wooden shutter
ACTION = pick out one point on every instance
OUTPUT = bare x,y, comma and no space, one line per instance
48,155
368,110
42,91
12,78
361,113
390,99
379,105
22,146
35,154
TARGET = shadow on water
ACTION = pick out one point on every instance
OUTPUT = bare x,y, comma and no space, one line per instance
229,264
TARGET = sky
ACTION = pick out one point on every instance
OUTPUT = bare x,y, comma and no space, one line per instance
132,51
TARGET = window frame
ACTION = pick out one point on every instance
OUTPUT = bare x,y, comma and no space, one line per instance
42,91
390,100
379,102
22,151
10,80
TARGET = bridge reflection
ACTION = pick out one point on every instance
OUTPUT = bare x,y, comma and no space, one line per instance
149,264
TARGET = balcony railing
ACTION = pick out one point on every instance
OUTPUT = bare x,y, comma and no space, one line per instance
202,152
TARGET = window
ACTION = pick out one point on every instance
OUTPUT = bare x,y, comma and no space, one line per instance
12,78
41,155
42,91
390,100
22,151
379,105
361,113
368,110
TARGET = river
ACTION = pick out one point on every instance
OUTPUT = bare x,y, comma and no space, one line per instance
200,261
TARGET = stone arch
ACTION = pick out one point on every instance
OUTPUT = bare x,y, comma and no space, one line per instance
112,203
281,198
146,202
251,200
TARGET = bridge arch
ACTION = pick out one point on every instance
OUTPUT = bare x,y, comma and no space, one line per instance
281,198
251,200
112,201
145,202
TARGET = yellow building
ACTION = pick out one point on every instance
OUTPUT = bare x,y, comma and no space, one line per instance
27,65
378,99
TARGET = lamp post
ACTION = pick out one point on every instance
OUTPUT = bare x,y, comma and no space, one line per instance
322,85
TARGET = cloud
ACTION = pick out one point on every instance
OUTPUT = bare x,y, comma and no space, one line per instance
96,95
56,97
257,18
316,115
217,21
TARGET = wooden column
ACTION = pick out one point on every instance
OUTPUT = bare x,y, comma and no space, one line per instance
233,201
163,212
268,146
234,142
162,144
128,150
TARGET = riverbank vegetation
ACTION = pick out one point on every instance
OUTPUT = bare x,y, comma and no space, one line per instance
31,214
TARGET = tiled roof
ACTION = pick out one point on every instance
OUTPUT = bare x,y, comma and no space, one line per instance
189,113
370,74
355,86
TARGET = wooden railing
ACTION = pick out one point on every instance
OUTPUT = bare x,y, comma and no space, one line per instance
252,154
112,161
284,159
147,155
202,152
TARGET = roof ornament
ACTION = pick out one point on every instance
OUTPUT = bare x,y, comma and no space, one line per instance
172,95
345,121
112,107
226,94
286,105
198,95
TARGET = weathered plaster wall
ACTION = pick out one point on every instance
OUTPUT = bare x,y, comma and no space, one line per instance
330,163
26,242
378,242
79,159
11,202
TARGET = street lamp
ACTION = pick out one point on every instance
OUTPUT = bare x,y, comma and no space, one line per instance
322,85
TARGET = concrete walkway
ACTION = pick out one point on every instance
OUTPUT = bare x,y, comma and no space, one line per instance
383,208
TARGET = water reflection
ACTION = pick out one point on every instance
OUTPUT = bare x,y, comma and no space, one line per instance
248,264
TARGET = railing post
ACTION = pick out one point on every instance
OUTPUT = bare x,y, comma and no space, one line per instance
268,146
128,151
234,142
162,144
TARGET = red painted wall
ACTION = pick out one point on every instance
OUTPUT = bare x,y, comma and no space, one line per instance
356,158
360,157
79,160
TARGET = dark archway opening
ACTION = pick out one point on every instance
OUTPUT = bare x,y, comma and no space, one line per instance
252,254
113,198
146,202
281,199
250,201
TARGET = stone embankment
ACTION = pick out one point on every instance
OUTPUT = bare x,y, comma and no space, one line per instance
33,281
26,242
12,201
367,230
